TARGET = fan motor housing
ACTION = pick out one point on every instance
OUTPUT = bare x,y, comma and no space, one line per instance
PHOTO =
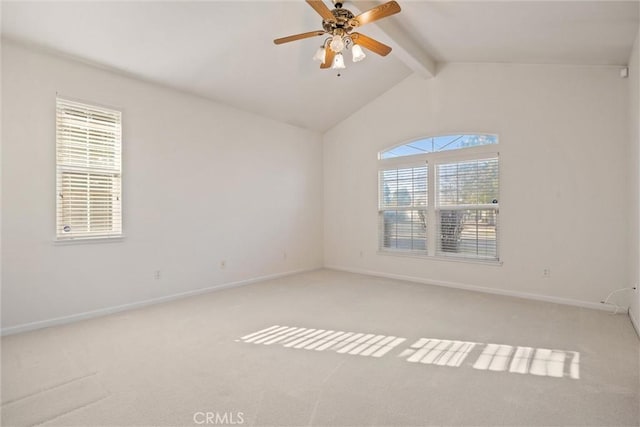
342,21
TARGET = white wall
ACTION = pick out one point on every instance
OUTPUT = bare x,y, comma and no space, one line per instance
563,146
202,183
634,179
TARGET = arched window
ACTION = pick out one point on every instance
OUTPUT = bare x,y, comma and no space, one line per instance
435,144
439,196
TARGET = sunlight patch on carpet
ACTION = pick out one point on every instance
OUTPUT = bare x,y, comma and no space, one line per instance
352,343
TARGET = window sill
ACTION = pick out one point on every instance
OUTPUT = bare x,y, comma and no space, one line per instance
491,262
88,240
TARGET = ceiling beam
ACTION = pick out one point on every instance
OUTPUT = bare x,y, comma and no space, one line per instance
405,47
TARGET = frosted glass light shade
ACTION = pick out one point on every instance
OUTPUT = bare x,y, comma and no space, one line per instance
321,55
358,53
337,44
338,62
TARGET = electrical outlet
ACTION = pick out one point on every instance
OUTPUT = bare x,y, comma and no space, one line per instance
546,272
284,254
156,274
223,264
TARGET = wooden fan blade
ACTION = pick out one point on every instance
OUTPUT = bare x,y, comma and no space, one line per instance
370,44
379,12
322,9
298,37
328,60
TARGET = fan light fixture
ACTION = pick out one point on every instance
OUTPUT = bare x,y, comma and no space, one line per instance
321,54
338,25
337,44
357,53
338,62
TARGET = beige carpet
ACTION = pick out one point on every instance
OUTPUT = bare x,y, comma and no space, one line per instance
329,348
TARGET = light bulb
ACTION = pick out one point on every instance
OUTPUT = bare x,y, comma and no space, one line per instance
338,62
337,44
321,55
358,53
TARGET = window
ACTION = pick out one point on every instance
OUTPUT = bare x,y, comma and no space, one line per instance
88,168
468,208
439,196
435,144
403,201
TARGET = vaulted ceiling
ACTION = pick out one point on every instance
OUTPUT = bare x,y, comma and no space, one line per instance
224,50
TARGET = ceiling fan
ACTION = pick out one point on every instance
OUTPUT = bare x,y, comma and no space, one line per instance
338,24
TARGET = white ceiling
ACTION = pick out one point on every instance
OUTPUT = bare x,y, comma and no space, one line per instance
224,50
546,32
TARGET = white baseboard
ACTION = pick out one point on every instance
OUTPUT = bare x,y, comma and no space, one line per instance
509,293
139,304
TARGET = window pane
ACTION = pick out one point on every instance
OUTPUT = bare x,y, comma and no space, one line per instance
438,143
405,187
89,204
87,137
406,230
456,142
468,233
468,183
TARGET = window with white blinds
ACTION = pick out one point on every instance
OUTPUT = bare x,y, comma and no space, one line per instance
467,208
402,212
441,203
88,167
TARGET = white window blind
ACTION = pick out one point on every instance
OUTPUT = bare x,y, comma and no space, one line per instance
402,212
467,208
88,166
